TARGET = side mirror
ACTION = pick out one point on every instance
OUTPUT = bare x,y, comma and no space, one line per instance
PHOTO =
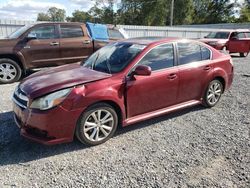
31,36
142,70
205,37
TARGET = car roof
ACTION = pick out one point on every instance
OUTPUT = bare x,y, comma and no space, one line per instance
154,40
149,40
65,23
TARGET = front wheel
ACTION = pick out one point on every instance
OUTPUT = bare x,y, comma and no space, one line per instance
10,71
244,54
213,93
97,124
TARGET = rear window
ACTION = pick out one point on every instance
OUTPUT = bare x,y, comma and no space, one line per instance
191,52
69,31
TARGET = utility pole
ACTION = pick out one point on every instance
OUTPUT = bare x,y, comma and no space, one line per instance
172,13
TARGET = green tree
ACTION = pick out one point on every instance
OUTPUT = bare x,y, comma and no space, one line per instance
155,12
213,11
80,16
245,12
43,17
103,11
53,14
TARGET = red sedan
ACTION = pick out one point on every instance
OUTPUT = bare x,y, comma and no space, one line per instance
121,84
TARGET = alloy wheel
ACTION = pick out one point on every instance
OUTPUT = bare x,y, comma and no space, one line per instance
8,72
98,125
214,93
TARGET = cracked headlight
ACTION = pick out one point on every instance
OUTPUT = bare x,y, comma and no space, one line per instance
49,101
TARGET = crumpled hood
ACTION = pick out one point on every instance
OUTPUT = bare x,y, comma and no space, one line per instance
46,81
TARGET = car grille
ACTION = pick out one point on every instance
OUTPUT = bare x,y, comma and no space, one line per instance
20,98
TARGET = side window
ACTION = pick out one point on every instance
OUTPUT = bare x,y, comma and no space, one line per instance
205,53
71,31
189,52
44,32
248,34
160,57
241,35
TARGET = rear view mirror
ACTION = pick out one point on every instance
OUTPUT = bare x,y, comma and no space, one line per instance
142,70
31,36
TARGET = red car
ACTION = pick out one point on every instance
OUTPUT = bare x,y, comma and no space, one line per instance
120,84
234,41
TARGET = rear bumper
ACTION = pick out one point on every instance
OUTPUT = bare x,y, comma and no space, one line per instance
49,127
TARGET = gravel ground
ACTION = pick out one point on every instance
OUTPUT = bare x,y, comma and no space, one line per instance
196,147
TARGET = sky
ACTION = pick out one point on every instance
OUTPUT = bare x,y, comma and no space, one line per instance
28,9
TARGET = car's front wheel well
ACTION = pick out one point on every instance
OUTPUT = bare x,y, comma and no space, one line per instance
115,106
221,79
117,109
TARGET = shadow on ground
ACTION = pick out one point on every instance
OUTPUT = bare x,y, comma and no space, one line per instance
15,149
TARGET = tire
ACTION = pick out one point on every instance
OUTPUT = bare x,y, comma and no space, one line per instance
213,93
97,131
10,71
244,54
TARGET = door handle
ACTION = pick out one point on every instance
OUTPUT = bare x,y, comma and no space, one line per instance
172,76
86,42
207,68
54,43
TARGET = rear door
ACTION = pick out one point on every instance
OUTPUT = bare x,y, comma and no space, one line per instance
44,50
149,93
195,70
238,43
75,45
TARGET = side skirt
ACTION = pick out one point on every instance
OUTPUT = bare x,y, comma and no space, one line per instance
160,112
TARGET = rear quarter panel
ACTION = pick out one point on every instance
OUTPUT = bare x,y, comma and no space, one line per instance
223,68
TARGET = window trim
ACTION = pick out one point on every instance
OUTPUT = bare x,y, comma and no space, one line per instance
178,59
174,56
75,25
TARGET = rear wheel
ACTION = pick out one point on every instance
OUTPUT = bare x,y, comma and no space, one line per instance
10,71
97,124
244,54
213,93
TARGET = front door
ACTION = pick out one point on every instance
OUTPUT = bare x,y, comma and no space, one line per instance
159,90
43,49
238,43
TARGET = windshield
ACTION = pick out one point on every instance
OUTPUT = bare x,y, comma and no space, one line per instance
113,58
19,32
218,35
